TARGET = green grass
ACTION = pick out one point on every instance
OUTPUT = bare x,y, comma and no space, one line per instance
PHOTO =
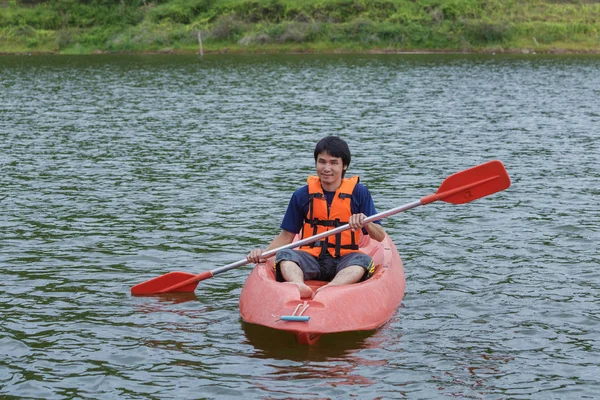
69,26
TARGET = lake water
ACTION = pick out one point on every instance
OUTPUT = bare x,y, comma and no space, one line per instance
117,169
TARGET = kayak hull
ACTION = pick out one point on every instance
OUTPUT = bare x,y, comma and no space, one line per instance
361,306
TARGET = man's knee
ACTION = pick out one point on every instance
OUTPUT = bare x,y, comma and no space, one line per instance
358,260
284,259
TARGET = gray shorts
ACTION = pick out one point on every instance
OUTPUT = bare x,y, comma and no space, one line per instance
325,267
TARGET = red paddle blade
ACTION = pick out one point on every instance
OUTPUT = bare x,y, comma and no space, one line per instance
158,284
472,184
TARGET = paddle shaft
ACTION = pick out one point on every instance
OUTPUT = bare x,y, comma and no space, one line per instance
268,254
423,201
309,240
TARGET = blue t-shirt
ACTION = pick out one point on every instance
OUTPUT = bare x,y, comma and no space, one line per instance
293,220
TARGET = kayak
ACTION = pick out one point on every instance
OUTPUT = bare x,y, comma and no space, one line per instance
362,306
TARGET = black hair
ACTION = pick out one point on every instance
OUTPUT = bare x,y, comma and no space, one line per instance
336,147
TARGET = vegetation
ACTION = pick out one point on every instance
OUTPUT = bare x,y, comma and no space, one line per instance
89,26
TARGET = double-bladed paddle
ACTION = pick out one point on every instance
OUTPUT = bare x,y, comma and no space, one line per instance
461,187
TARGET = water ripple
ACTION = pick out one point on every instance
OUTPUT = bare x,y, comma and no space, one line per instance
116,169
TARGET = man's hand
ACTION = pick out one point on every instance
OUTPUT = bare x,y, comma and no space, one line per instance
357,221
255,256
375,231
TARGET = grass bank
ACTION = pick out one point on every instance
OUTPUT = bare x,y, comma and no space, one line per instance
97,26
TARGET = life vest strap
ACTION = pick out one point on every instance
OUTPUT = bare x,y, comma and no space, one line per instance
320,243
312,196
331,223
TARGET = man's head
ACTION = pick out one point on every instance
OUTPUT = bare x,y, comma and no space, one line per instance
332,157
336,147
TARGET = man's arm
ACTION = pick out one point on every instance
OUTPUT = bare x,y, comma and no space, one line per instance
284,237
374,230
366,207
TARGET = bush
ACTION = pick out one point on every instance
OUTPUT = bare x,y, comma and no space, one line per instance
180,11
455,9
172,12
487,32
299,32
271,11
254,39
394,33
379,10
227,27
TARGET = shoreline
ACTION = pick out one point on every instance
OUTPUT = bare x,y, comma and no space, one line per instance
168,51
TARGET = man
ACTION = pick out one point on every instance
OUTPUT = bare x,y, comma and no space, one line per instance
327,201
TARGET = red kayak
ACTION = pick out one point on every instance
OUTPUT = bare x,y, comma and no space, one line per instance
361,306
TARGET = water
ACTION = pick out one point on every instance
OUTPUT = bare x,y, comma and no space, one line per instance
117,169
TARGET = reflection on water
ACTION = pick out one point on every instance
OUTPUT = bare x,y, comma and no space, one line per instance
271,343
176,298
336,354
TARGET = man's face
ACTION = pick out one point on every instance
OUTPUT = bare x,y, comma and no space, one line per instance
329,169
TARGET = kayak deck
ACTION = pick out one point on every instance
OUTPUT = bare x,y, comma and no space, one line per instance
357,307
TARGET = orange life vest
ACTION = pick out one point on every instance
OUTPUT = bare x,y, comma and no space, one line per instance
321,219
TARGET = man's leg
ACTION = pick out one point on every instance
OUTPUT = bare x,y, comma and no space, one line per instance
296,266
348,275
292,273
351,268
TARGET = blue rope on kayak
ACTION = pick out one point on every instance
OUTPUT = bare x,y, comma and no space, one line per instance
299,317
302,318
